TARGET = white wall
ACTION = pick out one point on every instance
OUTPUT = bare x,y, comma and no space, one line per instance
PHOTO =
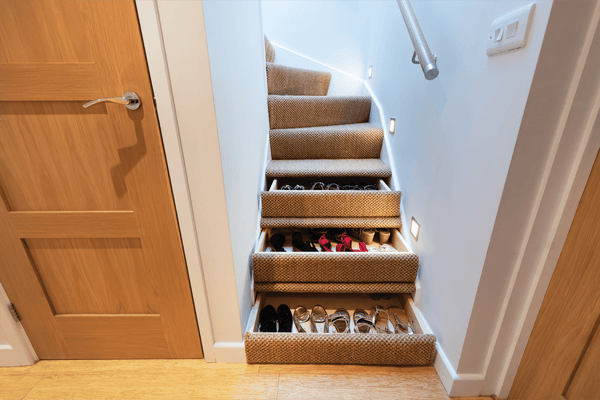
332,33
237,65
454,141
15,348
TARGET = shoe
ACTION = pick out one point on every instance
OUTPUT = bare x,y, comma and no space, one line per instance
267,319
277,240
381,319
325,244
332,186
284,318
363,234
301,315
384,235
340,320
298,243
335,234
319,316
399,320
299,187
287,187
370,187
363,322
318,186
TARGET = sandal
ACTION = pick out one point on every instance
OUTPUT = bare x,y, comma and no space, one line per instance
319,315
345,245
277,240
299,187
301,314
332,186
340,320
370,187
381,320
298,243
363,322
335,234
316,233
287,187
325,244
318,186
267,319
401,320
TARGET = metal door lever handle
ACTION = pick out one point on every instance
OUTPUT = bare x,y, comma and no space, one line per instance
129,100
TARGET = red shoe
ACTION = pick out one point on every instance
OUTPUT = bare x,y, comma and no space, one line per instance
325,244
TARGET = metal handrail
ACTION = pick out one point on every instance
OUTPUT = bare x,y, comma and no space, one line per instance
425,58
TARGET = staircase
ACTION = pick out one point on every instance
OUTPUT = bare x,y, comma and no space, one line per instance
315,137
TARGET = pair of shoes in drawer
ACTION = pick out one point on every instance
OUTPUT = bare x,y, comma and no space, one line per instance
275,321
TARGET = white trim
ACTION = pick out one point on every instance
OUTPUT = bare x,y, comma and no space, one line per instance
157,64
15,348
230,352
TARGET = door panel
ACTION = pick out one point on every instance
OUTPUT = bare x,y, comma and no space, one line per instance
91,253
562,358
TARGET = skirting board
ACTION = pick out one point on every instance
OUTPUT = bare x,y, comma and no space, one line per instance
230,352
455,384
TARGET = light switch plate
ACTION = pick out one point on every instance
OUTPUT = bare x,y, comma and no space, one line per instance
523,17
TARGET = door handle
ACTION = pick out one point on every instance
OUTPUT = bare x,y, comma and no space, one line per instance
129,100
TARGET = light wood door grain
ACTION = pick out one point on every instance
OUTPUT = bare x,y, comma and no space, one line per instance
90,249
562,358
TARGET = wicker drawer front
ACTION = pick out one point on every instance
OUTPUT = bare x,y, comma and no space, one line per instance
336,348
338,267
330,203
345,203
346,272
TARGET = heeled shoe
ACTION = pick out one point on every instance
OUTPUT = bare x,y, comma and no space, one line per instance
325,244
318,186
363,322
277,240
332,186
298,243
301,315
319,315
340,320
267,319
284,318
384,235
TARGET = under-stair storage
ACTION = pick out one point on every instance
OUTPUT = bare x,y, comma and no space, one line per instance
327,183
334,272
381,202
416,348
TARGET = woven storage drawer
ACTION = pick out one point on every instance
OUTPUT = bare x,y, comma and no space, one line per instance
330,203
337,348
369,272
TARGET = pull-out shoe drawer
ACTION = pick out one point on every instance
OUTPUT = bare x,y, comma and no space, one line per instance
277,203
333,272
337,348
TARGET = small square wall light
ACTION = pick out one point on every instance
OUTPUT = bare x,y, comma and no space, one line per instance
415,228
392,125
370,71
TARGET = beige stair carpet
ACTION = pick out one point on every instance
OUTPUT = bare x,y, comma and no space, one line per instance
336,141
361,167
306,111
331,222
302,287
283,80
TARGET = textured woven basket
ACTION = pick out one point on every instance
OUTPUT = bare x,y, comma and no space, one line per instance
304,287
331,222
330,203
318,348
335,267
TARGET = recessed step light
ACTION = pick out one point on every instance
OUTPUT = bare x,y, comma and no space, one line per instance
414,229
392,125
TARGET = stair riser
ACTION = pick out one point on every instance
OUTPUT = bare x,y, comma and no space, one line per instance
282,80
323,143
306,111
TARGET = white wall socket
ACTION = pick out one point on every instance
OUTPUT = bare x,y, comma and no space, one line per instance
510,31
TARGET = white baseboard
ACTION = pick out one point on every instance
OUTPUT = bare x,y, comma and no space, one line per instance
455,384
230,352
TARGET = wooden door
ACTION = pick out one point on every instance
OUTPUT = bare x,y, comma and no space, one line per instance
90,249
562,358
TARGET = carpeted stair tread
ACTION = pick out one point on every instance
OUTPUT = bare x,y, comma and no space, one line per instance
361,167
302,287
362,140
284,80
331,222
306,111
